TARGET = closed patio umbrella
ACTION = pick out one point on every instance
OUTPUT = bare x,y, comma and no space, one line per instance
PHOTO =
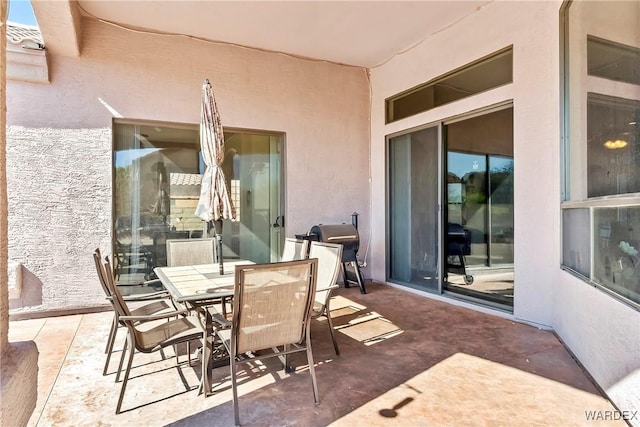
214,204
161,205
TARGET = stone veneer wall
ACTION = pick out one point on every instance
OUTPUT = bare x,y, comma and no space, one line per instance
18,361
4,289
60,214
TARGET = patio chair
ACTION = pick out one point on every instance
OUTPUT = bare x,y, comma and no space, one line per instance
190,252
179,328
271,308
158,302
329,257
182,252
159,251
294,249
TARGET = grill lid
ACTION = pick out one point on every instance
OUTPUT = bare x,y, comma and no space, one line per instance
344,234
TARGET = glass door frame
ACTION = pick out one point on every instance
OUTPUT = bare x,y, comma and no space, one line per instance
439,213
442,176
276,239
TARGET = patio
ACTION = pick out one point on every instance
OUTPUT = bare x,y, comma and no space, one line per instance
405,360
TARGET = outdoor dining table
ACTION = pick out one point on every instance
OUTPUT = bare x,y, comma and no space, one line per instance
200,287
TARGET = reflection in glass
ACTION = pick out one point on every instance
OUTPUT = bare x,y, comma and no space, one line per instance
616,250
470,170
157,176
613,148
576,240
501,209
413,209
157,186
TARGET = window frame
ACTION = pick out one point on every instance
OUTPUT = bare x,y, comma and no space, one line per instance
431,84
625,200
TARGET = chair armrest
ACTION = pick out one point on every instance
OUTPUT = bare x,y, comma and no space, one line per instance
328,288
221,321
148,297
156,296
151,282
155,316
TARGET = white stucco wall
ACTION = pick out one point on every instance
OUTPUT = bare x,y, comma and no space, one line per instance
533,30
59,143
603,333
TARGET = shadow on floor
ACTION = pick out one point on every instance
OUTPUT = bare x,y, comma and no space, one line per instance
405,360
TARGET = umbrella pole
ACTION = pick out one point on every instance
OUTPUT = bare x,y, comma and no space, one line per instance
217,225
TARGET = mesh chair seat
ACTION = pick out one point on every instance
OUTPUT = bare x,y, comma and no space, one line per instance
168,333
151,308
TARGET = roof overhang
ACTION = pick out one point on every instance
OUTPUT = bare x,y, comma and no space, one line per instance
359,33
59,23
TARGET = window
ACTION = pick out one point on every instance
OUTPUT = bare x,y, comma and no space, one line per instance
614,61
484,74
601,206
156,191
613,146
157,170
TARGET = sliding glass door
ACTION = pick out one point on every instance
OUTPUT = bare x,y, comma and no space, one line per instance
157,173
479,209
465,249
414,209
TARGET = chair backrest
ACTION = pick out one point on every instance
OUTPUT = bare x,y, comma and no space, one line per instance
329,257
272,304
294,249
116,297
190,252
159,250
97,258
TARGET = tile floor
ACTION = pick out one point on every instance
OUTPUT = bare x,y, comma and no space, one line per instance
405,360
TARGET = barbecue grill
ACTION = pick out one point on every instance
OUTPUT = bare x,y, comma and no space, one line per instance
458,245
347,236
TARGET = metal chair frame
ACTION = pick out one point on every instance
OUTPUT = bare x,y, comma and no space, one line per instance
158,302
179,328
329,257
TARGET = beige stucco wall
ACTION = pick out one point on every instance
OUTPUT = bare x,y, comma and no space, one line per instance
59,145
4,290
18,360
602,332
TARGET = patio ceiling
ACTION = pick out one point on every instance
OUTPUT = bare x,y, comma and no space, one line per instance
360,33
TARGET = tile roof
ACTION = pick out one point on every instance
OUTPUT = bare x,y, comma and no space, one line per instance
185,185
185,178
25,35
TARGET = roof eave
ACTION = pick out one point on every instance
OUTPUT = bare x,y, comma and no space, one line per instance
60,25
27,64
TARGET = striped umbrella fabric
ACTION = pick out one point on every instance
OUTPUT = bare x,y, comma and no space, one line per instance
215,203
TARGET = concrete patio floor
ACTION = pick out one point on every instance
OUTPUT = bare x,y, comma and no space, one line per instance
405,360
